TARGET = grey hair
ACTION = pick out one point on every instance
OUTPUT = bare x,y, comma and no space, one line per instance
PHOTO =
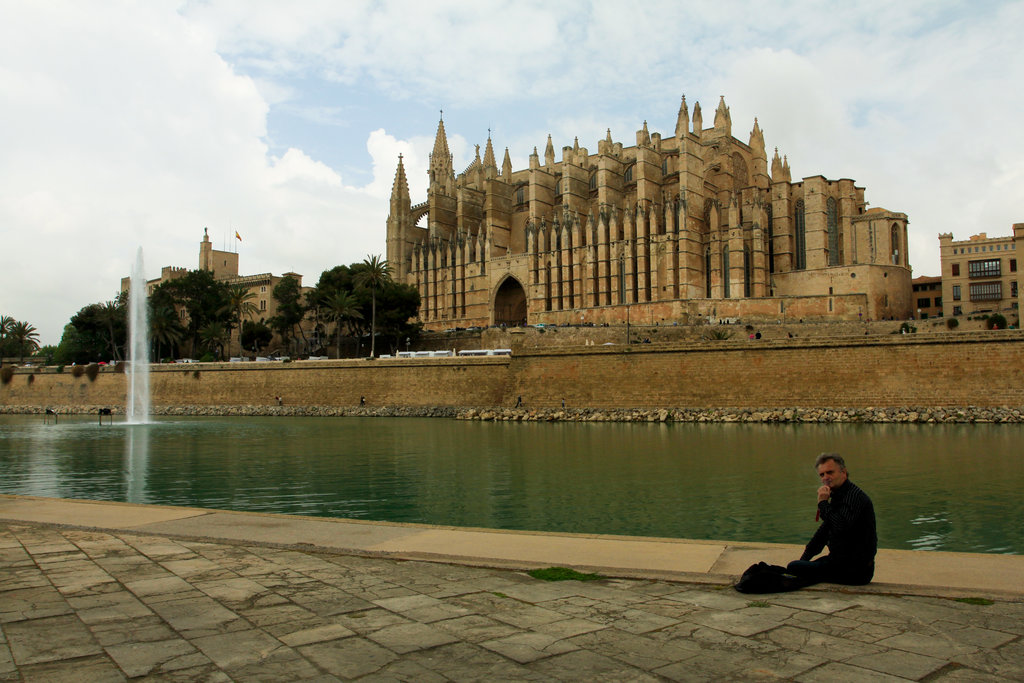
825,457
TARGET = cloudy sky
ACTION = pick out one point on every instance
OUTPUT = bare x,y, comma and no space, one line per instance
140,123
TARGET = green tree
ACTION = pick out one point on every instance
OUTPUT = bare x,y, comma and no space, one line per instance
165,327
374,275
214,336
241,302
290,310
255,335
398,304
112,317
100,331
204,300
342,308
6,322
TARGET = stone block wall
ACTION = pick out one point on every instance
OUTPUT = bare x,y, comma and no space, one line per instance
982,369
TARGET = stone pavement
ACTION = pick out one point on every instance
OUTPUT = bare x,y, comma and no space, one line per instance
109,605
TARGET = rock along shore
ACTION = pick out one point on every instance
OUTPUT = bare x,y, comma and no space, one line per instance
957,415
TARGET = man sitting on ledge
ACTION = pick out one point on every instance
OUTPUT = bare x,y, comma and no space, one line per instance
847,528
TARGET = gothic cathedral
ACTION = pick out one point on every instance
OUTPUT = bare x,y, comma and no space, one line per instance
674,229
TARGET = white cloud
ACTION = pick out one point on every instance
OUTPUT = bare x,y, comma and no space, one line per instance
140,123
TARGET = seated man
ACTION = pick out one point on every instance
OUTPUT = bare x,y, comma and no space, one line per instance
847,528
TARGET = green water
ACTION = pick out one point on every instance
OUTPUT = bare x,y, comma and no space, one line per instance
938,487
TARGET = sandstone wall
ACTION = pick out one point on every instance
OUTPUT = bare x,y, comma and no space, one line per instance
916,370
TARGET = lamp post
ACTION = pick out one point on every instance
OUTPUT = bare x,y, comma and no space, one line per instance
407,344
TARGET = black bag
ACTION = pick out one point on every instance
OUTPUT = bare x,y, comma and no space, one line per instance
769,578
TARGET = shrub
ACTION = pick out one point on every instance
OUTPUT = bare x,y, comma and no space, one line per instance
6,373
952,323
718,335
996,321
60,369
195,374
31,379
119,368
77,370
207,358
906,328
91,370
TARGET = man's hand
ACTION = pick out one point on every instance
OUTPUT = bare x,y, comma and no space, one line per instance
824,493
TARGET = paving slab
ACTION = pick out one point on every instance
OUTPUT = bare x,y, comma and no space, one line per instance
213,596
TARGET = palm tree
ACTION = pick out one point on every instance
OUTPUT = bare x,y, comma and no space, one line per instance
6,322
341,308
214,336
24,336
375,275
165,328
110,314
240,302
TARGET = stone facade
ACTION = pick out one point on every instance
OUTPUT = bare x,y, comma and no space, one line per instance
927,297
979,274
694,225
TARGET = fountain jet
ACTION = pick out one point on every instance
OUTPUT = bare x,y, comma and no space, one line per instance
137,408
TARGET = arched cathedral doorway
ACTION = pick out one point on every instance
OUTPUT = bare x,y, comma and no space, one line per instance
510,303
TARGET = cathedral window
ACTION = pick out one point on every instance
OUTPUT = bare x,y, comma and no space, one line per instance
520,195
771,239
627,177
800,237
664,167
725,271
593,181
894,244
746,272
832,217
707,273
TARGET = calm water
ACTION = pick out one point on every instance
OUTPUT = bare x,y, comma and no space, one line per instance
935,487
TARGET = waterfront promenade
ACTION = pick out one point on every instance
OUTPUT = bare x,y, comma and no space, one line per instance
112,591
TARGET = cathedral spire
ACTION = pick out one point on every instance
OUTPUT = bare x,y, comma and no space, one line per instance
506,167
757,139
489,161
549,153
683,120
776,167
400,188
698,120
723,120
442,173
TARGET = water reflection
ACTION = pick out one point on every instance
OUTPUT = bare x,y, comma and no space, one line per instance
136,463
934,486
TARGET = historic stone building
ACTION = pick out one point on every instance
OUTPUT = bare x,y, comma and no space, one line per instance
223,265
979,274
674,229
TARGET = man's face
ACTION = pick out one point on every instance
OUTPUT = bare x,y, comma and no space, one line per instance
831,474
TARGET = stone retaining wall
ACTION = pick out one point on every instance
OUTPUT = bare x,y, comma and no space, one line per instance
719,380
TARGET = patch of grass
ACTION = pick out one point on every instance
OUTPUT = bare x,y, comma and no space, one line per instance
500,595
975,601
562,574
759,603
